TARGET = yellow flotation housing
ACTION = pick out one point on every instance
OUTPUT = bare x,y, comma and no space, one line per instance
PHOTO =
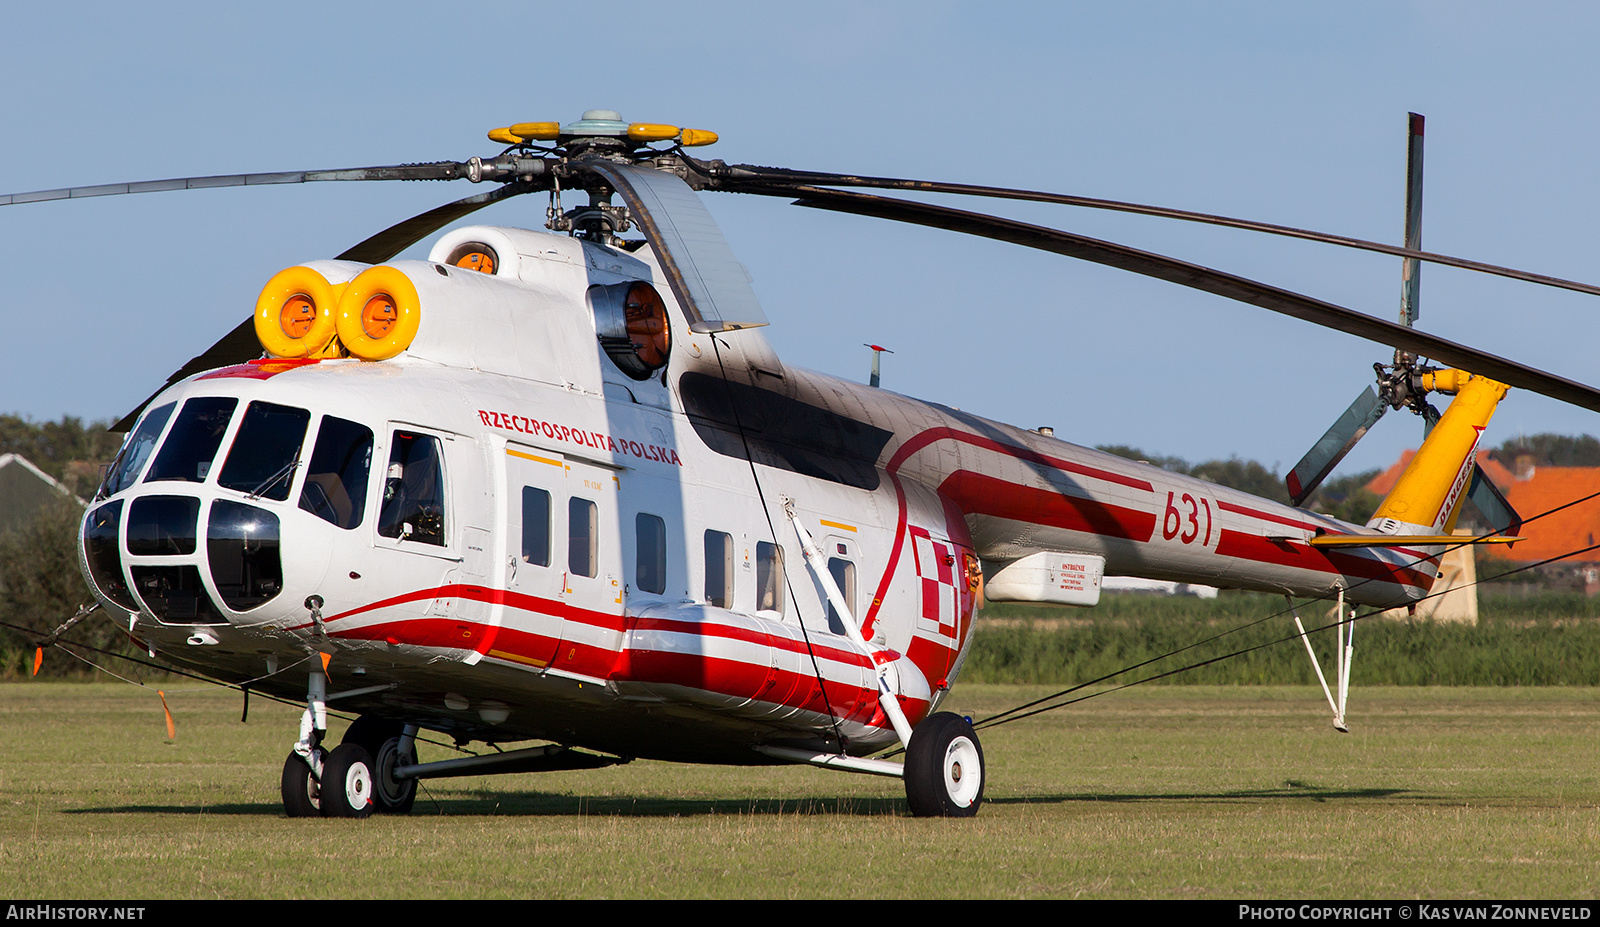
378,314
295,315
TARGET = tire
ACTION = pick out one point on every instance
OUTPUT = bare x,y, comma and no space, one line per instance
347,783
944,768
301,792
381,739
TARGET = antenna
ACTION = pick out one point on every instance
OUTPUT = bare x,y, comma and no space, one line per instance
877,352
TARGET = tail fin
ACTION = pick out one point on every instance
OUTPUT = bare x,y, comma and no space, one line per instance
1428,495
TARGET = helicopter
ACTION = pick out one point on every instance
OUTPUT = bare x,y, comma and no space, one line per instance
557,487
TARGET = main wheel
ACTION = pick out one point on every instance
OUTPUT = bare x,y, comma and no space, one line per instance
381,739
944,768
347,782
302,796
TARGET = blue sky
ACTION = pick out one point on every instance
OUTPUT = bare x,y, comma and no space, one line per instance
1288,113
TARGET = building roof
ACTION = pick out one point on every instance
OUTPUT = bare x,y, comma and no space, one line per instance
24,489
1562,532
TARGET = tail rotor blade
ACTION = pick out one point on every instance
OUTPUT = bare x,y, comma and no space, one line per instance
1331,448
1495,509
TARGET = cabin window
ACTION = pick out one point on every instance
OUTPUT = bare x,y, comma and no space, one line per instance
650,570
413,490
844,576
192,443
336,484
130,460
266,450
719,569
769,577
583,537
535,526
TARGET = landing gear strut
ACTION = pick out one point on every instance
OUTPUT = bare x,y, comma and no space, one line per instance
302,771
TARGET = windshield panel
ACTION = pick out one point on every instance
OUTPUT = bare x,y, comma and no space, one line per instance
192,443
130,460
262,459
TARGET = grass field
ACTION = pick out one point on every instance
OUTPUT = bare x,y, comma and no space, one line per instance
1164,792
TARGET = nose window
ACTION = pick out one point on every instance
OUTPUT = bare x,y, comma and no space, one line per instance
162,525
242,548
265,451
336,484
192,444
100,551
175,595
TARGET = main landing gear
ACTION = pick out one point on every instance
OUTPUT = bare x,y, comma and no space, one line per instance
944,768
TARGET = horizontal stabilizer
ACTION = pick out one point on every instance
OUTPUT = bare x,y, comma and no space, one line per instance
1404,540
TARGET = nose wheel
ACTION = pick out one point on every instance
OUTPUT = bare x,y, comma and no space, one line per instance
347,783
302,794
944,768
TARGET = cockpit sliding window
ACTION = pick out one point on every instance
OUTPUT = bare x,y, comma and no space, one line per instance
413,491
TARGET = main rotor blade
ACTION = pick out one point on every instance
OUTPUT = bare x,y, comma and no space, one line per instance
1211,281
709,282
241,344
402,235
433,170
1411,271
1331,448
771,181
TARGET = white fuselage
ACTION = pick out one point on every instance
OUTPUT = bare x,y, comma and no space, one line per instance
501,536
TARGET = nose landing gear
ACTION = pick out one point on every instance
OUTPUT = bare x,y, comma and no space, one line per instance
357,777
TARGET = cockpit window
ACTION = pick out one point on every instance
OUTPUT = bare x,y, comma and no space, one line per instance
336,483
413,490
130,460
192,444
266,450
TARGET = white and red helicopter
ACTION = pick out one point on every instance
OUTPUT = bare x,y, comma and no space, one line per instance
557,487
